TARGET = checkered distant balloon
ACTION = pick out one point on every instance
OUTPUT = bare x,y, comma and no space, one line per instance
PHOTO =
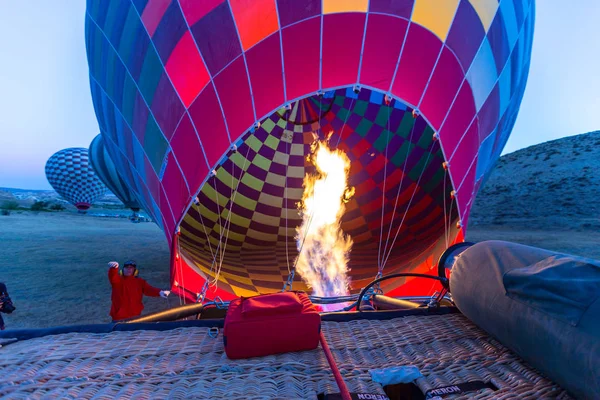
71,175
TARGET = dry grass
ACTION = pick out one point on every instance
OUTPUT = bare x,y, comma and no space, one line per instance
578,242
54,265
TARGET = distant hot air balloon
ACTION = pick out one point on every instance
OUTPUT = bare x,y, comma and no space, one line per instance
212,108
107,172
71,175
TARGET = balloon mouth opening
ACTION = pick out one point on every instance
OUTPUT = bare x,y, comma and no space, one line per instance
239,232
82,206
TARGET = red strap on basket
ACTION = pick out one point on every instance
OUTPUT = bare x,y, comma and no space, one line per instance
336,372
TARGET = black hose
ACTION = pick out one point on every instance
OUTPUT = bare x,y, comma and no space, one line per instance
444,282
451,251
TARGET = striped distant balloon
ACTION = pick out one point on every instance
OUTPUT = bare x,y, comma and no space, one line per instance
105,169
71,175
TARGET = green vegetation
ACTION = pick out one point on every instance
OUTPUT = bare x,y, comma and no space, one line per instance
9,205
39,206
47,206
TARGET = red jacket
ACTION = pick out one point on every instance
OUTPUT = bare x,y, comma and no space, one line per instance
127,293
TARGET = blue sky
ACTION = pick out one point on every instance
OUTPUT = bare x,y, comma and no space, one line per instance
45,102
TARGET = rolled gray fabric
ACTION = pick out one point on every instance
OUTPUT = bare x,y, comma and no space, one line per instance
543,305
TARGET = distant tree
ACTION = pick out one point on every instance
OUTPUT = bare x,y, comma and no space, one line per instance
57,207
39,206
10,205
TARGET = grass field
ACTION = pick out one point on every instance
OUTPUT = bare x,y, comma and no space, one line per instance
55,263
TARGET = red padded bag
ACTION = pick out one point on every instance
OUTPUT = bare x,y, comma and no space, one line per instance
271,324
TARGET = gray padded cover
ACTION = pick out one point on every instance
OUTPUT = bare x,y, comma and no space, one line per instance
543,305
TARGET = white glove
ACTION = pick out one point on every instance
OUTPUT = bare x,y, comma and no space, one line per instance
113,264
165,293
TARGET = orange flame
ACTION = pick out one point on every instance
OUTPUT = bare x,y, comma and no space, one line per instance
323,247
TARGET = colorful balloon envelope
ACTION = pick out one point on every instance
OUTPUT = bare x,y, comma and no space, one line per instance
107,172
70,173
211,108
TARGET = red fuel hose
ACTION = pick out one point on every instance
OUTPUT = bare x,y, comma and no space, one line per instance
336,372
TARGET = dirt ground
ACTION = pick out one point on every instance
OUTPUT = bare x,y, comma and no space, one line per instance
579,242
55,263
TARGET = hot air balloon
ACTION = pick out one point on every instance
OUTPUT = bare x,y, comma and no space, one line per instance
108,174
213,107
71,175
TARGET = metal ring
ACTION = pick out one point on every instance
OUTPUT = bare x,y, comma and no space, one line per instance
213,332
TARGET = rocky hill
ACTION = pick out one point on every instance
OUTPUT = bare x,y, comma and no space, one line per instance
550,185
6,196
26,197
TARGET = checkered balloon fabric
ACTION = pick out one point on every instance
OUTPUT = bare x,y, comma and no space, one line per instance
251,201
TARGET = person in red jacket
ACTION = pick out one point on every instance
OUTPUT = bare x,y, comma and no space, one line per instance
128,290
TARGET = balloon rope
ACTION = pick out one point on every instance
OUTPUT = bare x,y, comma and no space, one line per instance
450,219
225,227
207,277
350,110
218,221
286,196
410,202
215,254
446,227
412,130
197,207
219,256
232,202
222,229
180,267
379,266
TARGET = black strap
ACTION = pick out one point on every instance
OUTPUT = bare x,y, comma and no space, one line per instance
472,386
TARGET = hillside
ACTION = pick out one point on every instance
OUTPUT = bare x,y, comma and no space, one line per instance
26,197
544,196
6,196
550,185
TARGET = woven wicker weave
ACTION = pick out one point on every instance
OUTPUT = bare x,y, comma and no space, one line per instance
188,363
